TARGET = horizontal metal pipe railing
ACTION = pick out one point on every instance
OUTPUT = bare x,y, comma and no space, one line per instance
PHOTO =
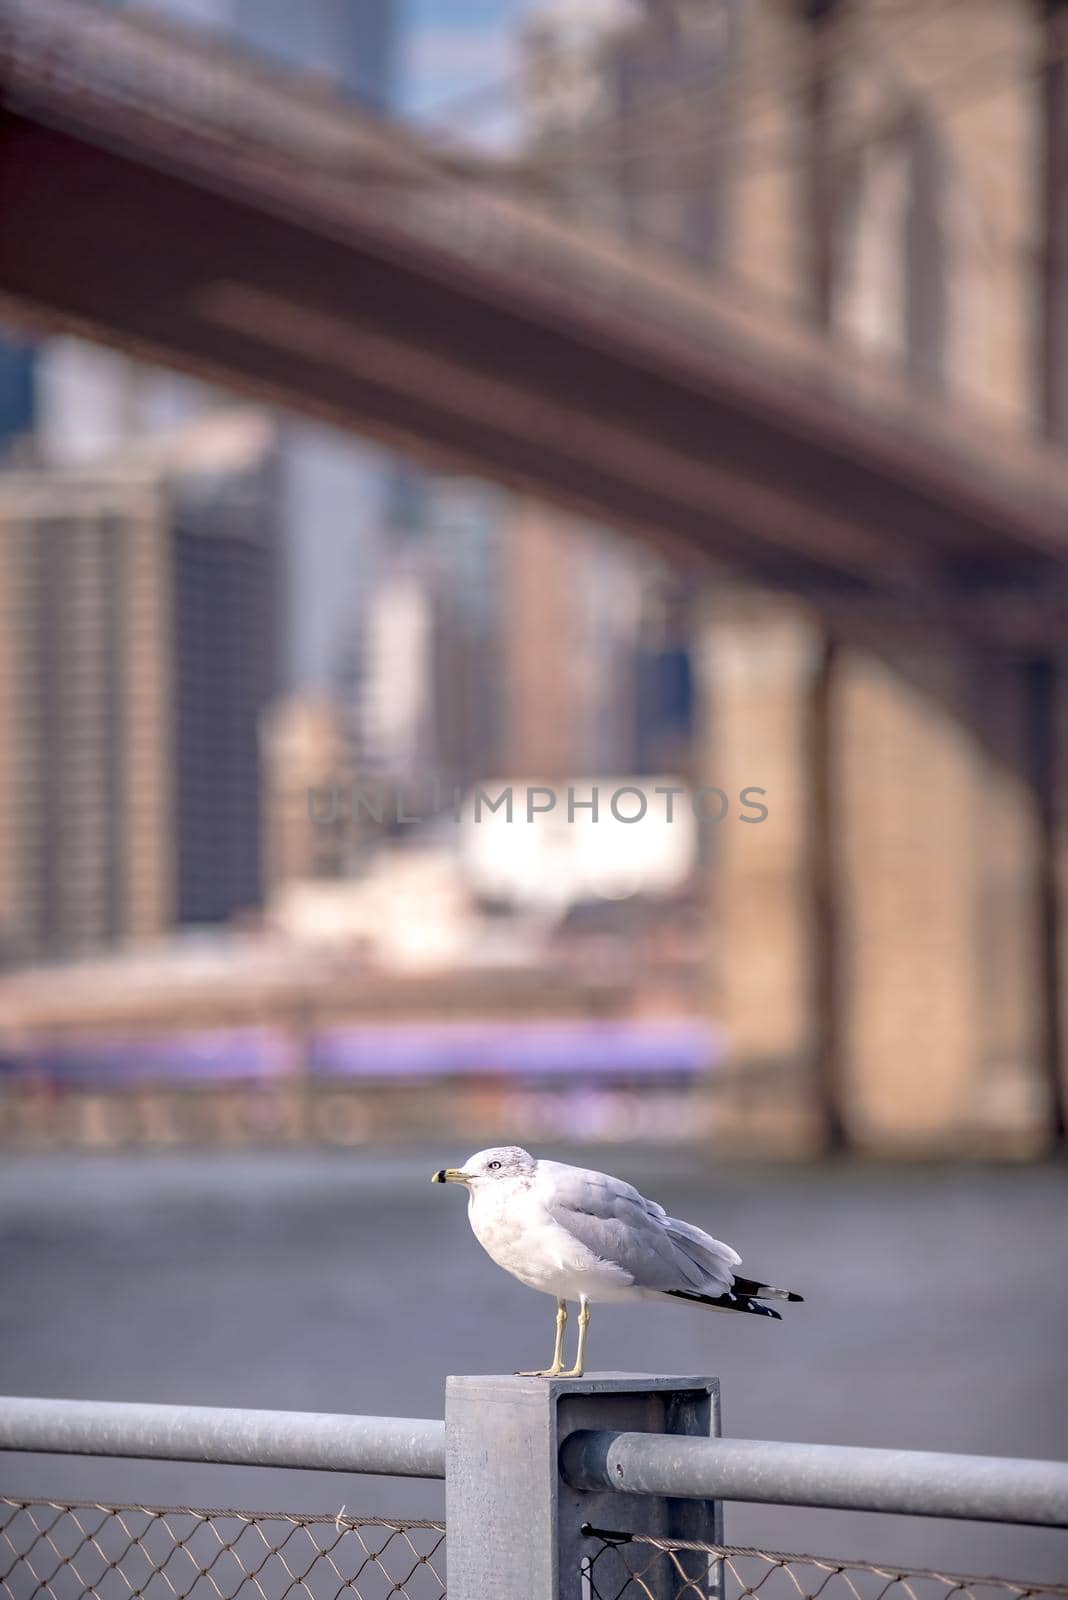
407,1447
840,1477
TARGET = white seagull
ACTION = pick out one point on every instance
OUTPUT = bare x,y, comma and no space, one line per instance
589,1237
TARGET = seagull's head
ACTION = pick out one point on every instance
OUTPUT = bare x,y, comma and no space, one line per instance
489,1166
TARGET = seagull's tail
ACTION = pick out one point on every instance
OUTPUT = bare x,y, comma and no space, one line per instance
745,1295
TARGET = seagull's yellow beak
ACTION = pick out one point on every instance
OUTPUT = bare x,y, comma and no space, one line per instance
448,1175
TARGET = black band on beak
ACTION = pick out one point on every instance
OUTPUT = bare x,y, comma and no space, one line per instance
439,1177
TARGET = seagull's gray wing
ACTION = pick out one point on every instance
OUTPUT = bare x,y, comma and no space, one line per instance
618,1224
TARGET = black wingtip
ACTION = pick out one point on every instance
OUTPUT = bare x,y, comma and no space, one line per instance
799,1298
753,1289
725,1302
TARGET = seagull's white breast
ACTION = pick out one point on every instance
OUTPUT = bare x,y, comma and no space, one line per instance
512,1225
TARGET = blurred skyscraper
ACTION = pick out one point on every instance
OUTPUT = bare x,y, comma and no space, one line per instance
303,753
466,562
225,660
426,693
17,400
506,637
350,43
665,713
139,639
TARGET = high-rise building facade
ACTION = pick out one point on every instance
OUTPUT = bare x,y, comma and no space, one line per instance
351,44
422,674
17,394
223,546
348,42
304,763
84,822
138,647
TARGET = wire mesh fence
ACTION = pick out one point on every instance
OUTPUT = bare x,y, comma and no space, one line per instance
81,1551
640,1567
84,1551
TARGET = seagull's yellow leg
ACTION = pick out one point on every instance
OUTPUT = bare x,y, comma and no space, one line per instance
558,1354
580,1355
558,1349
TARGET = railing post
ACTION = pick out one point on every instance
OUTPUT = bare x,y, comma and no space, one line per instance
514,1525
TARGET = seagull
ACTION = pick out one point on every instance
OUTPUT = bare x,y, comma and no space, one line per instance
586,1236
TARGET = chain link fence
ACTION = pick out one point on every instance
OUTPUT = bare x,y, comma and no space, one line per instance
81,1551
640,1567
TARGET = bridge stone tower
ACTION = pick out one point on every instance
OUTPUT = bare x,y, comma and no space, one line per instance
882,945
893,938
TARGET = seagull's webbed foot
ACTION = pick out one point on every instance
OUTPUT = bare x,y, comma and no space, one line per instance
557,1367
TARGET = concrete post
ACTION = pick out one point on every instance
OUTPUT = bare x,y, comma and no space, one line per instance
515,1528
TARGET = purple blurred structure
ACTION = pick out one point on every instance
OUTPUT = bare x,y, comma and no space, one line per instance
649,1049
646,1049
210,1055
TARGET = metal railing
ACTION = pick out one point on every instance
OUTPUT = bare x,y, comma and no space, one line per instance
408,1447
916,1483
543,1503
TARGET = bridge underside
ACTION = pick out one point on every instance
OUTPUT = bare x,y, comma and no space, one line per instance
717,456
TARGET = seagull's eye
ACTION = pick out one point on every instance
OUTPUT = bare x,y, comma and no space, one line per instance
493,1165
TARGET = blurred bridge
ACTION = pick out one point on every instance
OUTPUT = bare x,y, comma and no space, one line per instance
897,931
201,210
